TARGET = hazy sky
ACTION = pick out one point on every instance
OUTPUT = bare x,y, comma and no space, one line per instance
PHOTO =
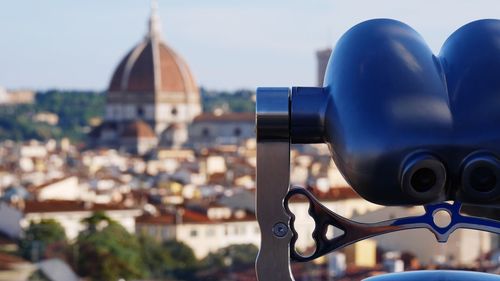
228,44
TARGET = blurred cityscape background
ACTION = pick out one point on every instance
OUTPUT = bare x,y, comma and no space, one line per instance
152,175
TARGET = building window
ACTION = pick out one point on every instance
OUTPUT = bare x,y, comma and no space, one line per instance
210,232
152,231
165,233
237,132
140,112
193,233
239,229
174,111
205,132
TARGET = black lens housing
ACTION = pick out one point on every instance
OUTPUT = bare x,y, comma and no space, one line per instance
424,178
481,177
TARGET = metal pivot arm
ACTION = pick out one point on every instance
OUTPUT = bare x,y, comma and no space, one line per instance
273,174
355,231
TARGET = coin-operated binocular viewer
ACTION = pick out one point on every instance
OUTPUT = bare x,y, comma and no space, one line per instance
404,126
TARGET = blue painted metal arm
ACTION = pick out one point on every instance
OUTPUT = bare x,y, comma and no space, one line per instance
356,231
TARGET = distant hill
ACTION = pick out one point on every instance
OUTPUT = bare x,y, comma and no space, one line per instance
77,111
74,109
237,101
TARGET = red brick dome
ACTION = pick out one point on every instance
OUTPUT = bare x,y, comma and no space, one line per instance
150,66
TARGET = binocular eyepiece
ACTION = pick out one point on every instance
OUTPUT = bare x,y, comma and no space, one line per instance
424,178
405,126
481,178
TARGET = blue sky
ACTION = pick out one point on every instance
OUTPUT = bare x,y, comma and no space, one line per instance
228,44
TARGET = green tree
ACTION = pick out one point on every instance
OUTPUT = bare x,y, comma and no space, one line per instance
242,255
170,259
106,251
44,239
153,257
233,257
237,101
180,260
38,276
75,110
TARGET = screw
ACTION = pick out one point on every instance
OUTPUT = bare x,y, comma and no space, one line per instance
280,230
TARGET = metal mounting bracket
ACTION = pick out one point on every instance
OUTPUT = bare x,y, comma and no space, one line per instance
273,174
278,235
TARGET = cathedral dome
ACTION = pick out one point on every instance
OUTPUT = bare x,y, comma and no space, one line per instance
151,89
153,66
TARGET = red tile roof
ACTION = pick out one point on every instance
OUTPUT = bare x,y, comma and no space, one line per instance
333,194
189,216
151,219
6,261
226,117
49,206
138,129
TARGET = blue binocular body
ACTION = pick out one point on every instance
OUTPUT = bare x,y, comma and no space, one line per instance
405,126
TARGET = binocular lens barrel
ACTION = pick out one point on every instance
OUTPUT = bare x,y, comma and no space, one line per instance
481,177
424,178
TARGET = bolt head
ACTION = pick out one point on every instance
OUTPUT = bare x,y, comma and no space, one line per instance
280,230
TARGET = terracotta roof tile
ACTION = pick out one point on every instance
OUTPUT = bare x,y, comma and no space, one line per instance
161,219
49,206
6,260
139,129
189,216
226,117
334,194
136,71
